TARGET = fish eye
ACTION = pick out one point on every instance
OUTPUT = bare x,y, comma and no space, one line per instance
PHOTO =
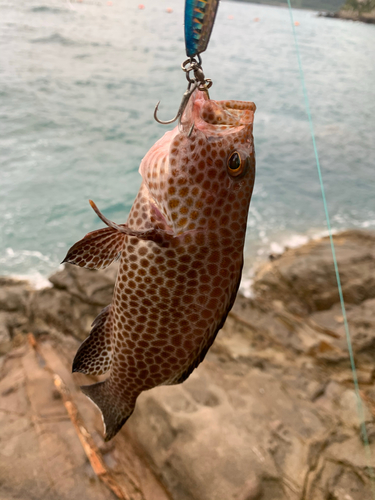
234,164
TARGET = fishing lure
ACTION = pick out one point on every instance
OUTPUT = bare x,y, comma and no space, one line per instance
199,21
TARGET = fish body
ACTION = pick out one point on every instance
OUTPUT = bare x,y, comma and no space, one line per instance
199,21
181,258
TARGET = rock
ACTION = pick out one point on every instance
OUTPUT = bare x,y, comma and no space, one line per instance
5,339
13,294
90,286
330,399
330,319
11,325
349,413
77,297
245,435
363,376
362,329
370,430
41,456
63,311
358,10
270,413
251,490
354,10
305,280
337,482
351,452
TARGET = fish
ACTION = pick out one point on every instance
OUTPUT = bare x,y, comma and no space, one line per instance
199,21
180,258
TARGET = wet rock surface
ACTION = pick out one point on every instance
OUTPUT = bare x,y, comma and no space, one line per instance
271,413
305,279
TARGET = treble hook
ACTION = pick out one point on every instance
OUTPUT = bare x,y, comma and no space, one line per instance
181,109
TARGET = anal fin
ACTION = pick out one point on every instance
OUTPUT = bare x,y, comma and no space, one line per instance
94,354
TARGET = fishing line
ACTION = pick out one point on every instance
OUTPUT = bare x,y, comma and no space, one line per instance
360,407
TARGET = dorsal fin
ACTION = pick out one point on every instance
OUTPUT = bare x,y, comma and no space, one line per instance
97,250
94,355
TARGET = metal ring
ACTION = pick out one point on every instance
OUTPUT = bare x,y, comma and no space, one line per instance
185,63
193,64
207,85
190,80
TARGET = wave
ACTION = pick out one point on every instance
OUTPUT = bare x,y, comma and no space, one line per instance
51,10
293,241
56,38
18,255
30,265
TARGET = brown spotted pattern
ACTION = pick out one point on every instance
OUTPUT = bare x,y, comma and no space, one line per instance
94,355
171,297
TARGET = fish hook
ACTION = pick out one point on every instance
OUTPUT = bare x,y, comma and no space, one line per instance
181,109
197,82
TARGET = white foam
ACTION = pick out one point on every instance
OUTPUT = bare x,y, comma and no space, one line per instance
19,256
29,265
295,241
246,287
368,223
276,248
36,280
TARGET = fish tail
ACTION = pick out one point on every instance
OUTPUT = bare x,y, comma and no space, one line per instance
115,411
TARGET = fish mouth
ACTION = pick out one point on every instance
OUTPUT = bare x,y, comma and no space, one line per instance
217,117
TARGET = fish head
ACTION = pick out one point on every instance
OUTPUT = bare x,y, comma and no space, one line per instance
201,174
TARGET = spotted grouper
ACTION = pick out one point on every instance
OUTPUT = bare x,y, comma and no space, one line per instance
181,257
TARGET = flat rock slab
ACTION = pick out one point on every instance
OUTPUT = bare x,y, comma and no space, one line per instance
41,456
305,278
232,431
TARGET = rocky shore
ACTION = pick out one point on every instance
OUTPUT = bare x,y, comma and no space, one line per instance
355,10
271,413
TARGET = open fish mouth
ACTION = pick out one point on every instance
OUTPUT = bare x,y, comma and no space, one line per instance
216,117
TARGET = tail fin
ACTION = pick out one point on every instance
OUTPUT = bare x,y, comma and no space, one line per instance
115,412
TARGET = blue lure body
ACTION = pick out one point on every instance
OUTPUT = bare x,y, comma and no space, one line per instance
199,20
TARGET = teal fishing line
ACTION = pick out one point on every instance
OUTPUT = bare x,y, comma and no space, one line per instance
360,407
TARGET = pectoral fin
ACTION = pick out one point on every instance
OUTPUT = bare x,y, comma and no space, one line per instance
97,250
156,234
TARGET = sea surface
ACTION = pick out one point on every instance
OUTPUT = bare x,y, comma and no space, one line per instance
78,85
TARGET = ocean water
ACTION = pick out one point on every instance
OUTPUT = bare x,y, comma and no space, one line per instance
78,85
